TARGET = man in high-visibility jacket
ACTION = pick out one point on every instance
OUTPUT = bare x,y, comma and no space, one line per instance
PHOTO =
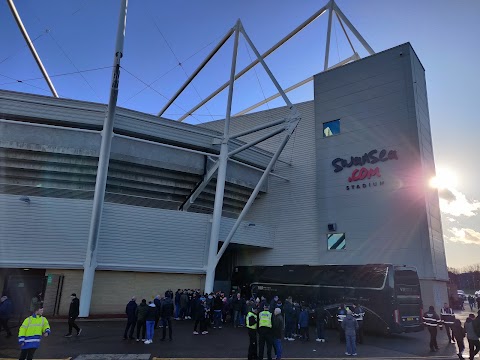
252,325
432,321
448,317
265,333
31,331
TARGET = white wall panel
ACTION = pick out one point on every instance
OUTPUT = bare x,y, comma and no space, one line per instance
53,233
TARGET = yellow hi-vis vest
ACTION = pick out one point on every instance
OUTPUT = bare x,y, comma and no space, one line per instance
254,326
265,319
31,331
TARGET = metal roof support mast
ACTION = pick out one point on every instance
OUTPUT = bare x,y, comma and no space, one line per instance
222,173
102,170
31,47
290,123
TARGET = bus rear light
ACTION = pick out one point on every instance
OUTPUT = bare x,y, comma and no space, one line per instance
396,316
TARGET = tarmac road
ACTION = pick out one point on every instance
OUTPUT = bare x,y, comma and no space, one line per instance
106,337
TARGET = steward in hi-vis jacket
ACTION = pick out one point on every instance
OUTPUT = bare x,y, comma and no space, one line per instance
31,331
432,321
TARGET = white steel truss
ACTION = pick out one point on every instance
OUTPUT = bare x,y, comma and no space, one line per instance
29,42
331,7
220,165
289,124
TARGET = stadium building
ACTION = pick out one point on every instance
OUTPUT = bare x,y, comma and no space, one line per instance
350,187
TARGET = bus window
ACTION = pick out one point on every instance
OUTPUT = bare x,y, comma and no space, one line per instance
406,283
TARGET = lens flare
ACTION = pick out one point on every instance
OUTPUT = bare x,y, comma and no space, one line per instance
445,179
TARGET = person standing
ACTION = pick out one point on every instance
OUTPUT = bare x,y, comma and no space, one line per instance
341,314
252,324
277,330
303,323
273,304
265,333
350,327
158,304
471,302
359,315
178,293
200,312
150,322
321,317
131,311
476,324
217,311
37,298
458,333
73,313
184,305
448,316
141,314
289,311
237,305
432,321
31,331
6,309
166,314
472,336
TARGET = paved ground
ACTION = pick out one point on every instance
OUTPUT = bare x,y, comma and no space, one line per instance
103,340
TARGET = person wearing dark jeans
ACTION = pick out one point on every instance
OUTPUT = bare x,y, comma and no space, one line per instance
31,331
73,313
166,316
432,321
321,317
433,338
27,354
473,338
458,334
131,310
265,333
141,314
158,305
141,326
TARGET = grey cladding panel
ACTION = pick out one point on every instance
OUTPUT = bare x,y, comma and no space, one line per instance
45,232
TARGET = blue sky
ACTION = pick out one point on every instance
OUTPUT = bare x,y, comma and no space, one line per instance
77,36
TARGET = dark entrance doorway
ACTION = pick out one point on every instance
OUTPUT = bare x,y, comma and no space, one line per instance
21,285
223,272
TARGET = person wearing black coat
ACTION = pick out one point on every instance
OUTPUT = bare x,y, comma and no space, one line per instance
131,311
158,305
321,318
166,314
6,310
237,305
458,333
73,313
150,322
141,314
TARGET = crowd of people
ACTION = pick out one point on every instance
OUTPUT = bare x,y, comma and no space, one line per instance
268,321
454,329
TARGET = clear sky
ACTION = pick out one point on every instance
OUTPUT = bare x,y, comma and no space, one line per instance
73,36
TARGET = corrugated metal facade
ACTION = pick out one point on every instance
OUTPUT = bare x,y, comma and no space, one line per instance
289,206
381,103
53,233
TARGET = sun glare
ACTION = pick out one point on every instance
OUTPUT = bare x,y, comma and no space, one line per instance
445,179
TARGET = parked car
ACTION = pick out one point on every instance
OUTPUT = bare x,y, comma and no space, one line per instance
461,294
